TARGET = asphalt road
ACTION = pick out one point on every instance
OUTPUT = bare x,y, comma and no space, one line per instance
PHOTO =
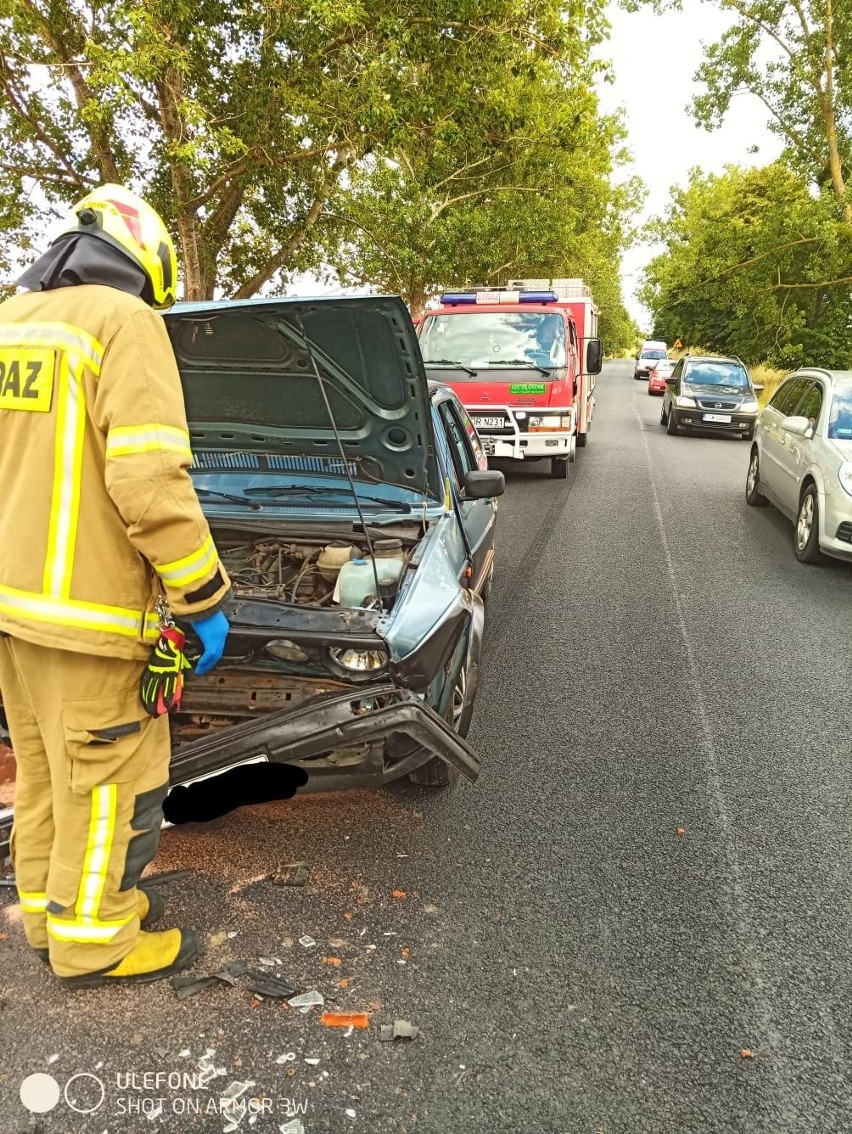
651,877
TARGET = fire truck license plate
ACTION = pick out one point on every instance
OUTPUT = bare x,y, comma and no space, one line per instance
489,422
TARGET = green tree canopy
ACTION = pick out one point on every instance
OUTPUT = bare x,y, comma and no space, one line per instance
756,265
260,129
512,181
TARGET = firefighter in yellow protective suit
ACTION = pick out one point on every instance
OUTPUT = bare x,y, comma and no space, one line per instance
100,527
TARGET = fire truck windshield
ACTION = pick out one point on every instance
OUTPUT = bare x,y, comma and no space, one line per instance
481,339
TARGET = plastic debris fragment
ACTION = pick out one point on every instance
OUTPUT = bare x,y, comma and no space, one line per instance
186,986
307,942
287,1057
265,984
311,1061
292,874
399,1029
307,1000
349,1112
228,973
294,1126
345,1019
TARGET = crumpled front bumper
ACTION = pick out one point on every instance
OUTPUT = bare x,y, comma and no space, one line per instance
325,723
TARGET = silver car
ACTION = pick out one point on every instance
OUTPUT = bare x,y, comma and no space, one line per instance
801,461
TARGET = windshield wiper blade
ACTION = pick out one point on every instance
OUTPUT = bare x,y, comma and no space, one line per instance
443,363
203,493
521,362
279,491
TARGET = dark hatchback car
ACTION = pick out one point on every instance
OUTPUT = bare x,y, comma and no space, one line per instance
317,441
710,394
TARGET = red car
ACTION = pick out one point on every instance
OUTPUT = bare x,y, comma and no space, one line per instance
659,375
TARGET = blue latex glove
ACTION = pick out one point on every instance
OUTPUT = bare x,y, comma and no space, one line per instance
213,632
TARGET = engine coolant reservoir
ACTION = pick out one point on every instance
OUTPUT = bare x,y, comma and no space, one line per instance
332,558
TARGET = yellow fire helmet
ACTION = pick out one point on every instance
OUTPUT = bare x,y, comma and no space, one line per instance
116,215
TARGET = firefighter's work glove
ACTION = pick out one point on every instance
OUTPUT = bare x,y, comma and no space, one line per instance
161,687
212,632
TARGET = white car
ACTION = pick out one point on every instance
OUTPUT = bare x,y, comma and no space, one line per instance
801,461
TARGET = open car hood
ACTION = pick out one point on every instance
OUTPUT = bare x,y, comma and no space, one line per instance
249,372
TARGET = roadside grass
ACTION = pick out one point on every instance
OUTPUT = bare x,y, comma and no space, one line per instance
769,378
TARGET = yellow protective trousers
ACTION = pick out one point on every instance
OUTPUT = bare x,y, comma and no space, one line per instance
92,773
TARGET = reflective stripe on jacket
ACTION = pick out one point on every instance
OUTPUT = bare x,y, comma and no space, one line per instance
99,514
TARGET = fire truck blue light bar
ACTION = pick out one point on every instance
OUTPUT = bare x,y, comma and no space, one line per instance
457,298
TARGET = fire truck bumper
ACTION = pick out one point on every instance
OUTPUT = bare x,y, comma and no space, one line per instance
530,447
504,432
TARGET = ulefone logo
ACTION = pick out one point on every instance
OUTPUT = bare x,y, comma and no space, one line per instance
84,1093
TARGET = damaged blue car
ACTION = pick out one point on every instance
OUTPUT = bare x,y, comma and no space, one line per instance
352,505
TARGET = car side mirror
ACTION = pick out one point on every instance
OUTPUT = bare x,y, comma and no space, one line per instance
796,425
594,356
671,381
482,484
757,387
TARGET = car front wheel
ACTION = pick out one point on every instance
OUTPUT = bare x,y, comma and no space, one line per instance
753,494
671,424
435,773
806,542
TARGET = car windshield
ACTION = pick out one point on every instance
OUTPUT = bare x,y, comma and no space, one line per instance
727,374
840,421
654,354
484,339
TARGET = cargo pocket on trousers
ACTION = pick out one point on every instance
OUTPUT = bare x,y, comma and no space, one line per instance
102,737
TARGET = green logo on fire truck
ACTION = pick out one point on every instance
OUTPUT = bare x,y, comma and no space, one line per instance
527,388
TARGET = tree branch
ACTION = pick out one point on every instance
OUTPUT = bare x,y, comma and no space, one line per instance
17,100
85,99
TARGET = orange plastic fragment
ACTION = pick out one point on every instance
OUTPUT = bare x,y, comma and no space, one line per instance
343,983
400,894
255,1002
680,830
4,936
746,1053
345,1019
347,917
336,961
405,953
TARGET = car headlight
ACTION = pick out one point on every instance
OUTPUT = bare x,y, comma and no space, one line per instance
359,661
284,650
844,475
550,421
749,405
685,402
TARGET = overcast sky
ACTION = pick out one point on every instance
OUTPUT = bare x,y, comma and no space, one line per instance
654,59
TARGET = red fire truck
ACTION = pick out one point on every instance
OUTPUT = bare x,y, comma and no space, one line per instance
523,360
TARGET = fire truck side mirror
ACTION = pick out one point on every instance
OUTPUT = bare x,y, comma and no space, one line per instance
594,356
